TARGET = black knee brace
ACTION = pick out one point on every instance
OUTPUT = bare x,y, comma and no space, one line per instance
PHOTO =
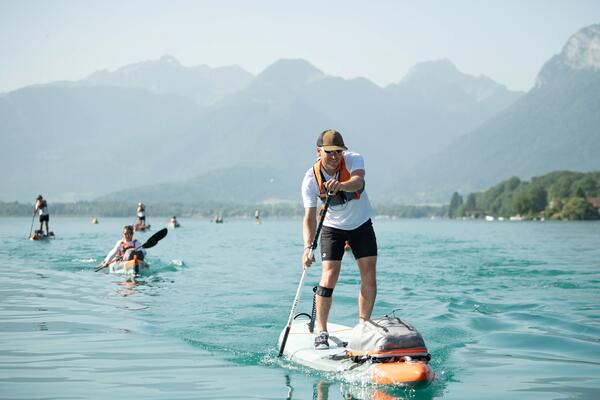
323,291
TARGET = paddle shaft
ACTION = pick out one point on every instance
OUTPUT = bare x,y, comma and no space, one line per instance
32,219
301,284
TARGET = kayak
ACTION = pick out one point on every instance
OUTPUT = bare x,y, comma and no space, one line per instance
37,235
300,349
131,267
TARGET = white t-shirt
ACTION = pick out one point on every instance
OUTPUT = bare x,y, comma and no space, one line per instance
347,216
43,210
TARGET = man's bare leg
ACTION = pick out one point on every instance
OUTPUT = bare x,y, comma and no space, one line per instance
329,277
368,286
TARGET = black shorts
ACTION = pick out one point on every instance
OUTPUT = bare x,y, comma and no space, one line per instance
362,241
142,218
45,218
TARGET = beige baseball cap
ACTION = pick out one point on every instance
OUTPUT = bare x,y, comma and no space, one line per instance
331,140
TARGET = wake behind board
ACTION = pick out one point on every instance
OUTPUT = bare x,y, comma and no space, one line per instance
300,349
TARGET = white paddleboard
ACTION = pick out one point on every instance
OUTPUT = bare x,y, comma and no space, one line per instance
300,349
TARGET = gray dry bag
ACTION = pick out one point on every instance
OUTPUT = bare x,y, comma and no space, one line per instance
386,337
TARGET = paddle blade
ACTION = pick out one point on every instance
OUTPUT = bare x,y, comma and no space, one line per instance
154,239
284,341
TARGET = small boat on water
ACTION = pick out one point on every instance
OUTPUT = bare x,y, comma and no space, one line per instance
408,366
131,267
41,235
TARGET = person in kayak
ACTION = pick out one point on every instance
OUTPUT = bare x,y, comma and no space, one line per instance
341,174
141,214
41,205
126,248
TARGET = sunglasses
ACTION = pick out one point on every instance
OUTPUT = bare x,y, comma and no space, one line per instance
333,151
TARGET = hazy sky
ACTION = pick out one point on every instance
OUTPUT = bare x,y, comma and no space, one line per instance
507,40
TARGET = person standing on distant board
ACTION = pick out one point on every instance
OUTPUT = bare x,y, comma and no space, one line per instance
141,214
42,205
348,219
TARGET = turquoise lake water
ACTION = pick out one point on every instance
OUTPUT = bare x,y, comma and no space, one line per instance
509,310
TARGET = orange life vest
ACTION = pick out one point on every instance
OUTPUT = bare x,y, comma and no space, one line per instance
343,175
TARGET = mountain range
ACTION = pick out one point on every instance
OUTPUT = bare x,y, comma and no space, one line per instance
203,84
555,126
158,131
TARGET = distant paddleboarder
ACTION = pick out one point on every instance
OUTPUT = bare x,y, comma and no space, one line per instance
140,223
341,173
41,206
141,214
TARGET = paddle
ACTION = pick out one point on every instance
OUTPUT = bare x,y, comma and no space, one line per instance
301,284
32,219
151,242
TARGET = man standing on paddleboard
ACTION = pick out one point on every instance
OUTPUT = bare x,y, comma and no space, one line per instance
341,174
41,205
141,214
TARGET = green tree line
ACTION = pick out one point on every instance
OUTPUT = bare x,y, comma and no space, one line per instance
203,210
126,209
563,195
